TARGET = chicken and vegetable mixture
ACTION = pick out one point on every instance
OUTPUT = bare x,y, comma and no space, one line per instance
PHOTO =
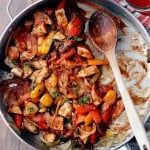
56,91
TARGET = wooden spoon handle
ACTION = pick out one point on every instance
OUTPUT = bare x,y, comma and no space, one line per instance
136,125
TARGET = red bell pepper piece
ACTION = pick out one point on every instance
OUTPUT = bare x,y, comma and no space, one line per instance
73,30
93,138
81,109
42,125
40,120
18,121
106,116
74,27
95,114
77,21
61,4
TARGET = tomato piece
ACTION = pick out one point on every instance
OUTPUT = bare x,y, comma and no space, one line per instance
73,30
18,121
93,138
61,4
77,21
40,120
81,109
106,116
95,114
42,125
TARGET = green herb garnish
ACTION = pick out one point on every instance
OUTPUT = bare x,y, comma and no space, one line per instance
30,109
14,62
55,94
78,39
83,100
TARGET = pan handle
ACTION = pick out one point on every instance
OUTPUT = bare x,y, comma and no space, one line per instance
8,9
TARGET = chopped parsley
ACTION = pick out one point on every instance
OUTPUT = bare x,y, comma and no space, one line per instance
55,94
78,39
30,109
83,100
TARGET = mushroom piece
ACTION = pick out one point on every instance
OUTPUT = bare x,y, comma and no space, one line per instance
27,70
17,72
65,110
39,64
50,137
9,62
30,108
39,30
30,126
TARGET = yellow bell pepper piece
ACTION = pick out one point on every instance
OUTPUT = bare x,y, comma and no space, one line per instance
88,119
111,133
110,97
37,91
44,48
52,80
95,62
46,100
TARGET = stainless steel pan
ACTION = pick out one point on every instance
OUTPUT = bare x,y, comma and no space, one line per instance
30,140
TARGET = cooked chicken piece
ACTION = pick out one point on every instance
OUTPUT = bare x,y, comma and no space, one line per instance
32,49
88,71
65,110
9,62
13,52
107,76
39,30
30,126
61,18
41,17
118,109
27,70
57,123
39,75
59,36
84,52
30,108
17,72
96,99
15,109
50,137
39,64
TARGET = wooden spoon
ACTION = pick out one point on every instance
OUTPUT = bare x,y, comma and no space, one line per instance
103,33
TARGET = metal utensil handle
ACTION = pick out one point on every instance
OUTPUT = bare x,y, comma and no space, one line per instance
8,9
